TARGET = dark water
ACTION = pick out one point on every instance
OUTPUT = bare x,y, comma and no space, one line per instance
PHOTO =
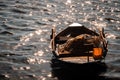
25,27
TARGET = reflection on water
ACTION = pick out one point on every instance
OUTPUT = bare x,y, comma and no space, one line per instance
25,28
25,39
71,71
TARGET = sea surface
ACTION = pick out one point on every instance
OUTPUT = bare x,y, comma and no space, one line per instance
25,28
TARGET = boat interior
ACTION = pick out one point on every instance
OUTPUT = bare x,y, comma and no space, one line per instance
75,43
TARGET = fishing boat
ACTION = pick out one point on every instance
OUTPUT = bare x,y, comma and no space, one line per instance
78,44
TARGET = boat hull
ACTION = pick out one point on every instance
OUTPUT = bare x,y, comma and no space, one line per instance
65,69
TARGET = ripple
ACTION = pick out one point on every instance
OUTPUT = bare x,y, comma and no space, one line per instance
25,27
36,60
19,11
6,33
3,5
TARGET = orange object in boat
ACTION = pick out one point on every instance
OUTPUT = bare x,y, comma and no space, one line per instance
97,53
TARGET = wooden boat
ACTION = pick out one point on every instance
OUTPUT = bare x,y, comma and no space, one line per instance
78,44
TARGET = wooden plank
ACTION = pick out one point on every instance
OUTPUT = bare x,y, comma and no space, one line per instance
78,59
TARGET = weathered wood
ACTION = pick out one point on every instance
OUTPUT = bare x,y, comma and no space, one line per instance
78,41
